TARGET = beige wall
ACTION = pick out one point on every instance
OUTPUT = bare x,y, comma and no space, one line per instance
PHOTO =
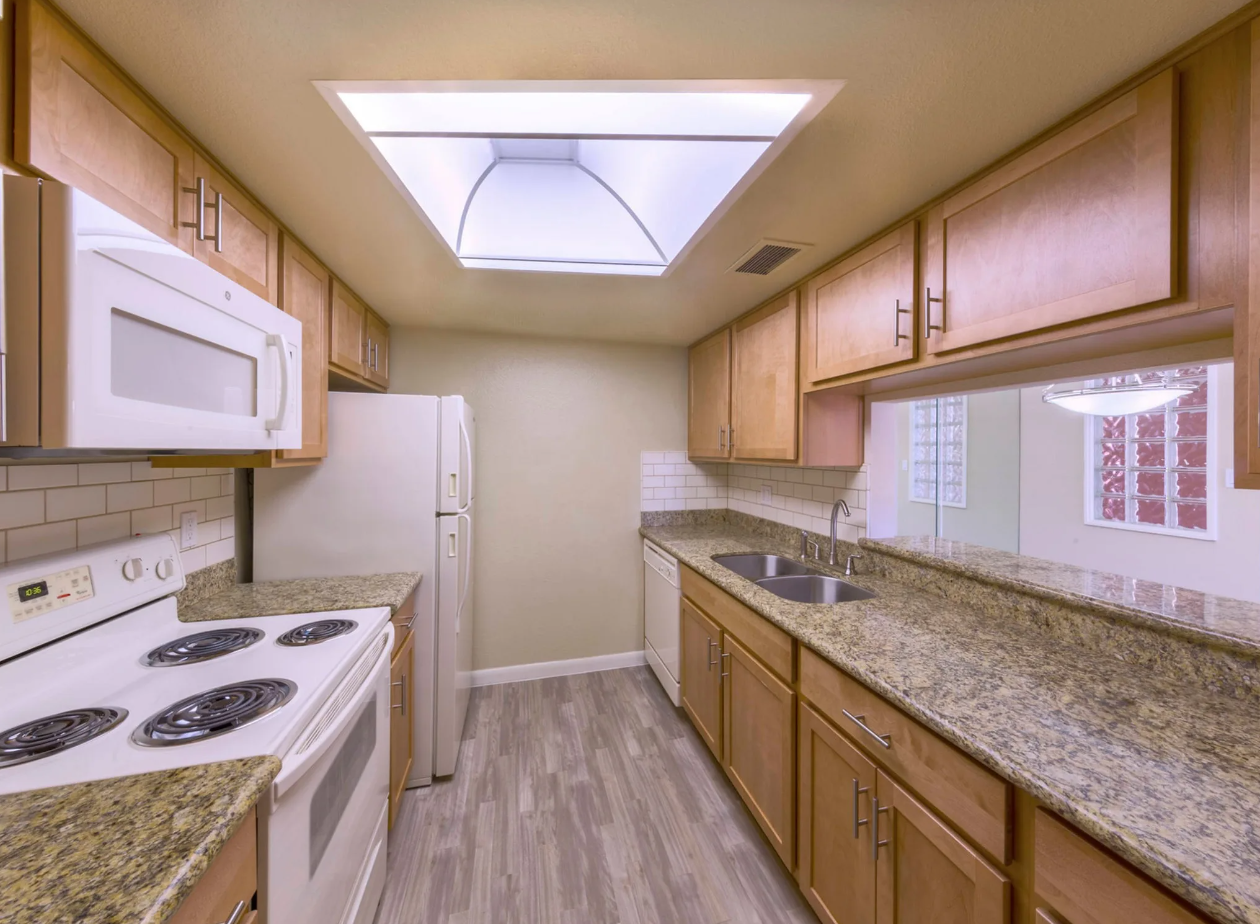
560,426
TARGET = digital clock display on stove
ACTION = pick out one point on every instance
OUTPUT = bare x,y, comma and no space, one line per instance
32,591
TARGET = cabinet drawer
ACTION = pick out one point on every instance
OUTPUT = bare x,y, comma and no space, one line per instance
760,636
1085,885
403,619
974,800
230,879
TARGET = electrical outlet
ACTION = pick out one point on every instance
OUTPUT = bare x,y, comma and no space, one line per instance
767,494
188,529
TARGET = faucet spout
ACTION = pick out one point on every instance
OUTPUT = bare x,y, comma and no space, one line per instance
835,510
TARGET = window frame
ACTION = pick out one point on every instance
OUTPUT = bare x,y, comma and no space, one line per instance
936,501
1213,490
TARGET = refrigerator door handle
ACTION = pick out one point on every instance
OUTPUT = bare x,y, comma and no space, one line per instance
463,435
463,593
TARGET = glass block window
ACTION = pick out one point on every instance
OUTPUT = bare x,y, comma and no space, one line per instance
939,452
1149,471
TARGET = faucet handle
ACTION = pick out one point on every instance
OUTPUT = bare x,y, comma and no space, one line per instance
848,563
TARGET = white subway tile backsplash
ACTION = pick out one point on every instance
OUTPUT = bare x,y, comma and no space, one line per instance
129,495
193,559
30,541
27,477
173,491
219,507
74,503
220,551
104,472
102,529
151,520
206,486
227,527
21,508
144,471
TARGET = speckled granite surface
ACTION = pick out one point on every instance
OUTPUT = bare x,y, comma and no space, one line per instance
1166,773
122,850
306,595
206,582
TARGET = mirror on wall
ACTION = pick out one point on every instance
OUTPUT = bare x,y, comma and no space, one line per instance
1143,488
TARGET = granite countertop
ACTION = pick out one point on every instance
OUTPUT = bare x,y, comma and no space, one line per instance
127,849
1165,773
305,595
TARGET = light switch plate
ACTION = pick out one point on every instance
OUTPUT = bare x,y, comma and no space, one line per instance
1229,477
767,494
188,529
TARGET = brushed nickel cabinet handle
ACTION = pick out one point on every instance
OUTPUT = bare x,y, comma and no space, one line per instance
885,740
402,699
721,438
712,663
858,789
928,326
722,673
199,225
898,311
218,223
237,913
876,843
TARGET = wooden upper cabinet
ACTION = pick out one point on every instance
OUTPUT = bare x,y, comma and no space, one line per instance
77,121
709,397
759,745
304,295
1247,313
346,337
859,314
1081,225
764,388
926,872
701,687
835,865
249,253
1085,885
376,352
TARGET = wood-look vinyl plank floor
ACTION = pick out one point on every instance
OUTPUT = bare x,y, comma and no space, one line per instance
583,800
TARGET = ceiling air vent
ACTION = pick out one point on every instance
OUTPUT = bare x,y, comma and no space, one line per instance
766,256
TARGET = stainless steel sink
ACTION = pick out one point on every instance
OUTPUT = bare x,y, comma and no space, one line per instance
756,567
814,588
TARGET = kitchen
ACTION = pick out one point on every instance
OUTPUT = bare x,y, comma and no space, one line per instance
465,464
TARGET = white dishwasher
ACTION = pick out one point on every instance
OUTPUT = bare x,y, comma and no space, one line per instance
661,619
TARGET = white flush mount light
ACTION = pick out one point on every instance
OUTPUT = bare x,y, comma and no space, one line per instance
1121,395
575,177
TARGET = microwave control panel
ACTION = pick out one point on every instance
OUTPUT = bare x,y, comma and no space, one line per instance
36,596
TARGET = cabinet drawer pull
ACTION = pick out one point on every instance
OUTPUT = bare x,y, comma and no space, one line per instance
402,700
876,843
712,662
237,913
898,336
858,822
722,673
928,326
200,224
885,740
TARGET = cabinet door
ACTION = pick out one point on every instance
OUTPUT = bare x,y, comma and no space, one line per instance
927,874
835,865
376,354
1247,316
400,723
76,120
249,253
701,683
759,711
304,294
859,314
346,338
709,398
764,386
1081,225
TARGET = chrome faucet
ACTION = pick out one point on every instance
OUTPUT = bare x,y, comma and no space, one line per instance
848,564
835,510
806,542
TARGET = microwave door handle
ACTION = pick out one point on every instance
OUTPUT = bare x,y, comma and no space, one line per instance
294,769
286,375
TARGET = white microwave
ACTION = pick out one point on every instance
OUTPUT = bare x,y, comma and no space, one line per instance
114,339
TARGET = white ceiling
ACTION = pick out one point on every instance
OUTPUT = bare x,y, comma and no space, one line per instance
936,89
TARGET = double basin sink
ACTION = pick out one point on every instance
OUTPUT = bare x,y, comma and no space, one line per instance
792,579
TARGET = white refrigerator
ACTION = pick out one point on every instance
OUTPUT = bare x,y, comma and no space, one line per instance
396,493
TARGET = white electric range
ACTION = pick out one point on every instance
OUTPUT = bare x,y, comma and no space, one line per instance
101,679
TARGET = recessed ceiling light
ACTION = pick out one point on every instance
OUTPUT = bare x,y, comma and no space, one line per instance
590,177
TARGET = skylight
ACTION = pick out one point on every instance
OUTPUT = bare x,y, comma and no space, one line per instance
595,177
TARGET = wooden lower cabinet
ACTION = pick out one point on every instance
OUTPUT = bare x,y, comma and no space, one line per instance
835,865
927,874
232,879
759,743
701,679
401,693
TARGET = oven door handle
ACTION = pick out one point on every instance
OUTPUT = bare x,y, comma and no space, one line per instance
339,710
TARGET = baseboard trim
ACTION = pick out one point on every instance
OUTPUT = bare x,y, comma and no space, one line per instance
515,673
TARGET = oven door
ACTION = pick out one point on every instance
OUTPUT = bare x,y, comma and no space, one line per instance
144,347
324,856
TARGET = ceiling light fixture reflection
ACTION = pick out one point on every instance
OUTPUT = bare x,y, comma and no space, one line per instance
616,177
1129,396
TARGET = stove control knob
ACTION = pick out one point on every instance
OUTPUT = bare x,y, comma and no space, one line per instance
165,568
133,569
